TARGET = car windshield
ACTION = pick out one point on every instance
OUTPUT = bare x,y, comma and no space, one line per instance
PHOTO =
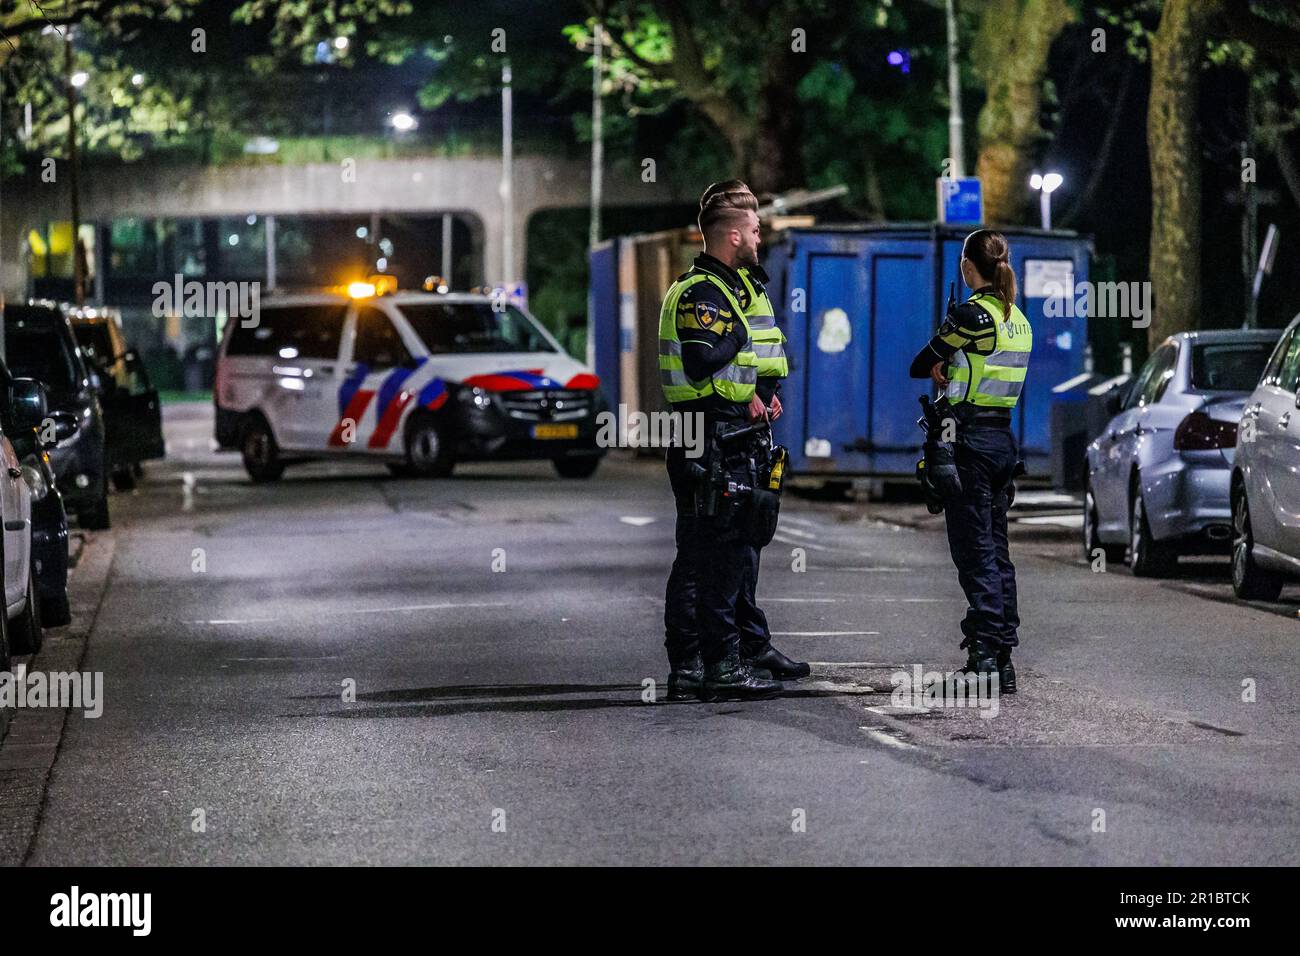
449,327
1229,366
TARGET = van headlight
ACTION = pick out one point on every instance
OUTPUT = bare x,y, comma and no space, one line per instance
474,397
36,482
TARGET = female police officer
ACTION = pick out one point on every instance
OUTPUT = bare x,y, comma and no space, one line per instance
979,358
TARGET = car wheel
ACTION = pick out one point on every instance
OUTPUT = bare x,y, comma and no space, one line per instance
56,611
124,478
25,636
95,517
1114,553
1250,582
428,453
1147,557
583,466
260,451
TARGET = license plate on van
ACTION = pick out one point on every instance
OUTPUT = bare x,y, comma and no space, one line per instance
555,431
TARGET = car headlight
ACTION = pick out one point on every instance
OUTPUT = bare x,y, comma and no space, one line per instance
36,482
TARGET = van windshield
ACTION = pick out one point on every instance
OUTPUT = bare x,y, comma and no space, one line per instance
42,354
450,327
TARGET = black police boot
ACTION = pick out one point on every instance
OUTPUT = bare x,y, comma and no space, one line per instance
686,680
980,658
730,679
1006,672
773,664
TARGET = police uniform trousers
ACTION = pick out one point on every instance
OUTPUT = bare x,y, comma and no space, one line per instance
709,601
986,454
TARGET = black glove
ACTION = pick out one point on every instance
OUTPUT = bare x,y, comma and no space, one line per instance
941,468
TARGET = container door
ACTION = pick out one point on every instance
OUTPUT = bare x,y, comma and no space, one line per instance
902,321
837,380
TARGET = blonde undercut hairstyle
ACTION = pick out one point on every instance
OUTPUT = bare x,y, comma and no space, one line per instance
723,206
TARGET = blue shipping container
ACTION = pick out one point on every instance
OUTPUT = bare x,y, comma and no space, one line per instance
856,304
603,305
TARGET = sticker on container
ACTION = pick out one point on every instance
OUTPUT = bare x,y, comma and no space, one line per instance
836,333
1049,278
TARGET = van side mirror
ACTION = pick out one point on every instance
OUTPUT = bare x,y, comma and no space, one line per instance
1115,400
27,399
65,426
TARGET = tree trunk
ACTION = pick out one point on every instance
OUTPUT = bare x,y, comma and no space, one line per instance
1177,50
776,162
1010,55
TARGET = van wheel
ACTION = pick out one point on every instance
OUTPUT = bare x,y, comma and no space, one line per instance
1147,557
26,636
428,453
4,633
261,453
1250,582
577,467
1092,543
56,611
124,478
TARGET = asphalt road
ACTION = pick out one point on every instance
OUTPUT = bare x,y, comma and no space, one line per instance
499,714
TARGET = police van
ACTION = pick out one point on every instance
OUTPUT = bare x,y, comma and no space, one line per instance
417,380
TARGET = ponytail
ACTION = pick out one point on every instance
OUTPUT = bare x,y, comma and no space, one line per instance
990,253
1004,286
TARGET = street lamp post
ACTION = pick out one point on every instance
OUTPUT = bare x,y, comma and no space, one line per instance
1046,185
78,260
507,176
956,145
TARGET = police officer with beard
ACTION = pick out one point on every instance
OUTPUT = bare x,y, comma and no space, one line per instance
768,344
708,368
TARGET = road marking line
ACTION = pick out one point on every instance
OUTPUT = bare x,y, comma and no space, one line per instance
800,543
823,633
637,521
800,534
363,610
852,664
425,607
880,737
769,600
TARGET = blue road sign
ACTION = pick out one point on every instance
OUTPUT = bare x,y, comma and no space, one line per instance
961,201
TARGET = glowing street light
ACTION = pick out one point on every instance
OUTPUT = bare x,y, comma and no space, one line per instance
341,44
79,79
403,121
1046,185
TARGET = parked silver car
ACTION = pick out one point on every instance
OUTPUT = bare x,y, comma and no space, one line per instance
1158,476
1266,478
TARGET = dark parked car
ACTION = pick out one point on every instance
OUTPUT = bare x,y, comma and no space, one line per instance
132,413
49,541
39,344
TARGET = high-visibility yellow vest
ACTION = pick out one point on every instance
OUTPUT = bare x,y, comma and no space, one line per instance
768,340
735,382
997,379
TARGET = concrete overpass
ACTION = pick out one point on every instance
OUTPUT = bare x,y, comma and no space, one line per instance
465,187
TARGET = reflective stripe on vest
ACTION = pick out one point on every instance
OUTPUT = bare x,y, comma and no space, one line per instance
997,379
735,382
767,339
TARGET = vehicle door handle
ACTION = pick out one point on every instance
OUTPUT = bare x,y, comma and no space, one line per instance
15,473
327,369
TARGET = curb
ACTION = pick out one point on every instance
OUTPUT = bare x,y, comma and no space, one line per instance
30,746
